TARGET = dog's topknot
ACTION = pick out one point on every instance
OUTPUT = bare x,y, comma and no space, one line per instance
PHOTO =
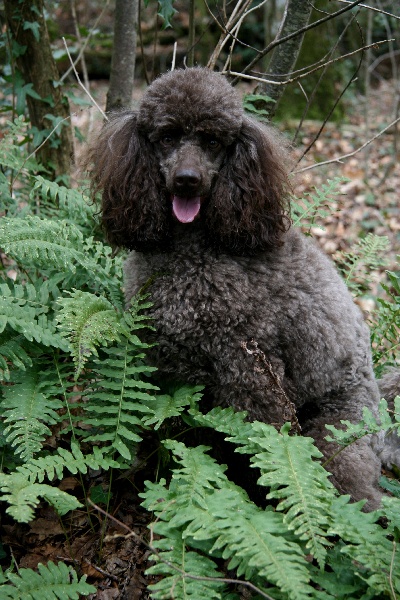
191,99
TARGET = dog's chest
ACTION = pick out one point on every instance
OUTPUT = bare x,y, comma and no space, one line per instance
202,298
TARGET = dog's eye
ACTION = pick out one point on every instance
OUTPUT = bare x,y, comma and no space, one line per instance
167,139
213,144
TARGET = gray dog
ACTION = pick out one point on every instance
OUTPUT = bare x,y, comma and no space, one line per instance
241,303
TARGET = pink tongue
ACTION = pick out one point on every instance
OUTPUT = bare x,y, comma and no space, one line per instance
186,209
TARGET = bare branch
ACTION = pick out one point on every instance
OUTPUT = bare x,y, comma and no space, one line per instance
379,10
294,79
340,159
81,84
85,43
276,42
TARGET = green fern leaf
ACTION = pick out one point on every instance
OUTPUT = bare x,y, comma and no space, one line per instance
73,461
12,352
385,326
24,310
366,544
23,497
69,204
87,320
118,401
367,426
166,406
28,409
53,582
185,574
366,255
315,205
206,507
301,484
10,153
42,242
56,246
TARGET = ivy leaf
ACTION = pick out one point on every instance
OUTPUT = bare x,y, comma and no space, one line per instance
34,27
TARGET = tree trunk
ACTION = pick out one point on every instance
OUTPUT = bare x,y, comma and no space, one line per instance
284,57
124,55
28,28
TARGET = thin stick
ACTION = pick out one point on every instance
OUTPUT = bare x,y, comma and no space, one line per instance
81,84
339,159
174,56
279,41
302,75
132,533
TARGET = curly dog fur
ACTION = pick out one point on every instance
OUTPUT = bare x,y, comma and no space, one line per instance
241,303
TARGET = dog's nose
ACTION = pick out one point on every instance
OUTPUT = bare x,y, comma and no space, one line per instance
187,179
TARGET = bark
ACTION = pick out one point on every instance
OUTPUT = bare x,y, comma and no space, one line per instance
284,57
124,55
27,26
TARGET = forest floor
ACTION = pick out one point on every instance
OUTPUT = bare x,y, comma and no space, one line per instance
114,559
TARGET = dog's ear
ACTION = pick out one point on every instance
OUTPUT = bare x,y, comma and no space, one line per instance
249,208
124,169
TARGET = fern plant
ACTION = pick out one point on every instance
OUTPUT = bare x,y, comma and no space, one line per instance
53,582
305,211
202,512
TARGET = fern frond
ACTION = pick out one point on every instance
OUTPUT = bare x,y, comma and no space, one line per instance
24,309
42,242
288,469
116,404
28,409
209,509
87,321
13,352
366,544
385,329
166,406
56,246
367,254
300,483
69,204
367,426
185,574
23,497
53,582
312,206
10,154
73,461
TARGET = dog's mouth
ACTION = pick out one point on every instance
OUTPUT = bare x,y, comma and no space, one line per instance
186,209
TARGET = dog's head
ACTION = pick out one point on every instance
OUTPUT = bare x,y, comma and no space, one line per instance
190,154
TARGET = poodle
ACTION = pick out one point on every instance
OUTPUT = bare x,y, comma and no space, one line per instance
241,302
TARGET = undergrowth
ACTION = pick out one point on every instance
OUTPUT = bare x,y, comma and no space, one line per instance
73,367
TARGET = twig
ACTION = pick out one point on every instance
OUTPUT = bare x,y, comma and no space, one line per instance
81,84
279,41
380,10
174,56
302,75
85,43
339,159
154,551
288,405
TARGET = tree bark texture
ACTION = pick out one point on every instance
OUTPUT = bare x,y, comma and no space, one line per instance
284,57
124,55
27,26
